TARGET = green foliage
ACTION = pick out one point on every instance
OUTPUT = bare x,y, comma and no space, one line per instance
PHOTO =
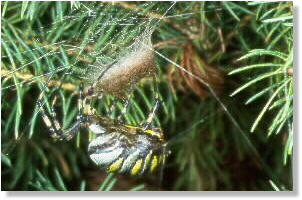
48,47
279,86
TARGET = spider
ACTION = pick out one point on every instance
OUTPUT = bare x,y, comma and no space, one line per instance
117,147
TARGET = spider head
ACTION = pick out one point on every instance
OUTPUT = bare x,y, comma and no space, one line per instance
98,124
96,128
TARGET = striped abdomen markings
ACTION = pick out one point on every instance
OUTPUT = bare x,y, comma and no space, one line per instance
135,163
158,134
127,152
104,149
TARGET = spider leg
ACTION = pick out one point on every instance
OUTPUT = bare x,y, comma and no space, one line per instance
148,121
111,108
53,124
106,69
121,116
91,93
53,115
47,120
162,165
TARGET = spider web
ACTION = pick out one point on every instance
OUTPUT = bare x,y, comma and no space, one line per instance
111,32
99,46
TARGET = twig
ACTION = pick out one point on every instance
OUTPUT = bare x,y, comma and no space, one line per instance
29,77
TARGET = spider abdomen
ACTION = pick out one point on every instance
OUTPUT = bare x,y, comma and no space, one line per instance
129,152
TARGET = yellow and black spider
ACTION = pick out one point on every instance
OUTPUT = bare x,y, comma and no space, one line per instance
135,150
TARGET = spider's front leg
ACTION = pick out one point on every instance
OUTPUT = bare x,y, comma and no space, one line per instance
52,123
148,122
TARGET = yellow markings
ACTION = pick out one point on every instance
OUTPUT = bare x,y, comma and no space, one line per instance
136,167
116,165
80,103
46,120
146,131
154,163
147,160
57,125
153,133
132,126
89,110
